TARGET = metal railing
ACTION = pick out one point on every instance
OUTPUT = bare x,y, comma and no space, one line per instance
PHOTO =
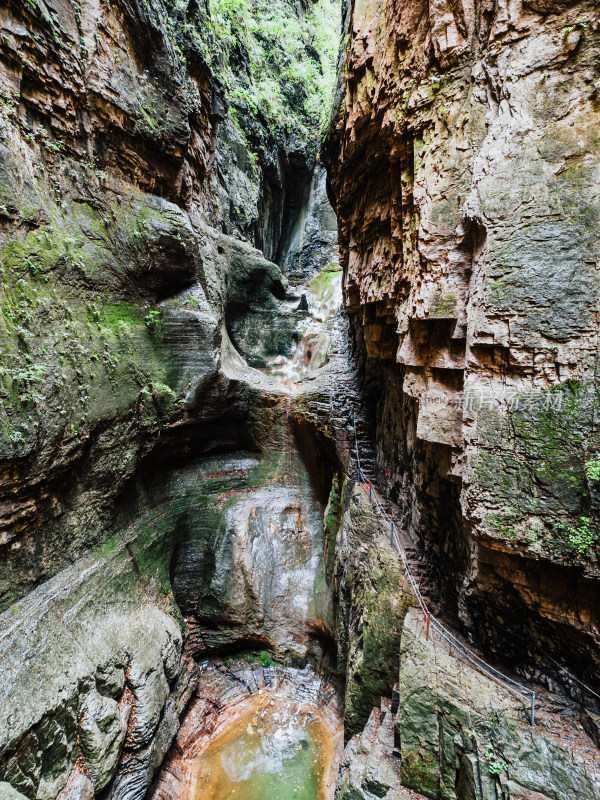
511,685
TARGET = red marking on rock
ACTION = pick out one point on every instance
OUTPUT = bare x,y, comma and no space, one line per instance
230,493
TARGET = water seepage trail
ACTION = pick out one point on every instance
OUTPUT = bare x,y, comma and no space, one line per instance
276,750
323,298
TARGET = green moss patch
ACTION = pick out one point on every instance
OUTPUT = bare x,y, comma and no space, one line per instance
534,463
278,64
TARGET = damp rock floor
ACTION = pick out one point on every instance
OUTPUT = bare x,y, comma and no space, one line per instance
276,750
256,733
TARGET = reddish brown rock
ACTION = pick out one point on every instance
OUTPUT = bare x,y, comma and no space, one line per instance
463,165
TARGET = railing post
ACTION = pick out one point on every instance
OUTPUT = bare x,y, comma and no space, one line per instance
452,641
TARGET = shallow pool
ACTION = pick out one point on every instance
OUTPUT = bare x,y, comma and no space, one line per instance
273,751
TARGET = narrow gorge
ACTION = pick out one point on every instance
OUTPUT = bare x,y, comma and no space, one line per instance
299,464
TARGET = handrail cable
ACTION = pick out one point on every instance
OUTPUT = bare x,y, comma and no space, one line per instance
443,631
572,677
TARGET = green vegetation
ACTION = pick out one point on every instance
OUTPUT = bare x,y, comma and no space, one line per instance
592,469
579,25
153,318
542,467
74,351
509,525
581,537
506,523
155,111
495,766
262,656
276,65
321,283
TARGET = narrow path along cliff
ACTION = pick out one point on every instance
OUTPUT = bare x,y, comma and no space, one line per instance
299,461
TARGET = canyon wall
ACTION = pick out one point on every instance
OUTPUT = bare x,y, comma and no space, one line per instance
165,497
427,717
143,462
463,167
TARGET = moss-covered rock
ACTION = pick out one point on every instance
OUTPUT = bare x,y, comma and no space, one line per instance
533,460
372,601
463,735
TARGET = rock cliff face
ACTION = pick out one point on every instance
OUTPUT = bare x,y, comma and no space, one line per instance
452,745
463,168
423,716
143,461
111,159
176,437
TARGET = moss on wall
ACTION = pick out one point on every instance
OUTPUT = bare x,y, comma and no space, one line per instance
276,61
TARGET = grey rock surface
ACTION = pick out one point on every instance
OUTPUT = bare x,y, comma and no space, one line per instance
314,239
8,793
79,787
463,168
461,732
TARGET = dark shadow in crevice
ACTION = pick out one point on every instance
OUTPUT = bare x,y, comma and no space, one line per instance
318,452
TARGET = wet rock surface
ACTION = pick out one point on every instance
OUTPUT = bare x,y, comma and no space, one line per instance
314,238
442,728
225,692
247,566
130,206
181,415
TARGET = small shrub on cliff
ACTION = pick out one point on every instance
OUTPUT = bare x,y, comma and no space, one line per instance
262,656
264,659
495,766
592,469
153,318
581,537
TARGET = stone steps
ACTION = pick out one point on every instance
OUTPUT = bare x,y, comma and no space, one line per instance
418,568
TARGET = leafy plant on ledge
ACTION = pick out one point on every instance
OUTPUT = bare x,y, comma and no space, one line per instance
592,469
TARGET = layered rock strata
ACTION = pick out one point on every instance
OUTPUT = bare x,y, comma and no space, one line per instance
463,169
130,204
